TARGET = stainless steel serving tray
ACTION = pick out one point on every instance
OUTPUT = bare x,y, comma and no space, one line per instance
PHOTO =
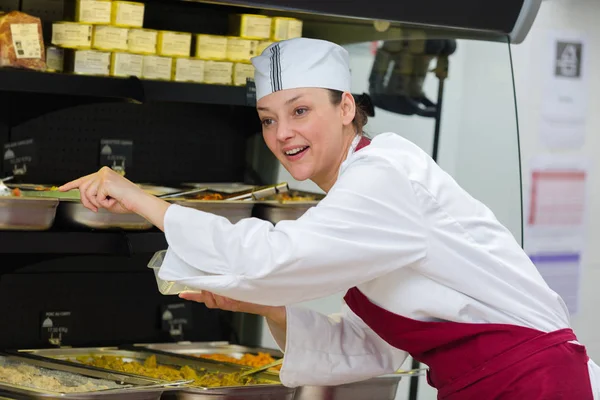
274,211
383,388
193,349
68,356
27,214
234,211
221,187
380,388
125,387
190,348
73,212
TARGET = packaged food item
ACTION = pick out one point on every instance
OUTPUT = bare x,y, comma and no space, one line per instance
286,28
55,59
21,41
174,44
93,11
250,26
211,47
218,72
262,45
157,67
241,73
87,62
188,70
142,41
127,14
109,38
239,49
72,35
126,65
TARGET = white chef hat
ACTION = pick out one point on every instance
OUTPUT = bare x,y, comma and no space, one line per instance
301,63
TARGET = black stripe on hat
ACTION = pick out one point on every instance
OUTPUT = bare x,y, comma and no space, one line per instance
278,84
273,63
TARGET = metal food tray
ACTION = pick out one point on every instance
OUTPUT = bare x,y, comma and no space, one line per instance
273,210
275,391
382,388
221,187
27,214
74,212
234,211
193,349
208,348
126,387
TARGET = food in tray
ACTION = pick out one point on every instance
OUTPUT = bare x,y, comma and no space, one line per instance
209,196
42,191
152,369
291,196
251,360
20,374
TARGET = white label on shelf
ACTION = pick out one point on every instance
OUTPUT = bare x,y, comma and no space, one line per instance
241,73
94,11
110,38
218,72
72,35
26,40
241,49
128,14
211,47
55,59
156,67
92,62
175,44
256,27
142,41
127,64
189,70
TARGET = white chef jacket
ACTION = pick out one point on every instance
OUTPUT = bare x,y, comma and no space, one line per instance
396,226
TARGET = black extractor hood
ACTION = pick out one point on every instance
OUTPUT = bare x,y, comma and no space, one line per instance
510,18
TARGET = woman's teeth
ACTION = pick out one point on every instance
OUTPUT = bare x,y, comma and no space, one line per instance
295,151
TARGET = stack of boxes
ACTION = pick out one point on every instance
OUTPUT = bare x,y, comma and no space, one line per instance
107,38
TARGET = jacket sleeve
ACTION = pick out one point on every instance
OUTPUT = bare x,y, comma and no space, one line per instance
324,350
368,225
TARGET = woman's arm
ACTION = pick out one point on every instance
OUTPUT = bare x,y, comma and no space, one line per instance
369,224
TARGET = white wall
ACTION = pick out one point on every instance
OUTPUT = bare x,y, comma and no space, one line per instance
479,142
575,16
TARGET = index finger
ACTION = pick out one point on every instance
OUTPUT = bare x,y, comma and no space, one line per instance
73,184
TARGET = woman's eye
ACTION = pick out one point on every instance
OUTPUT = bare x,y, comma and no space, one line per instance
267,121
300,111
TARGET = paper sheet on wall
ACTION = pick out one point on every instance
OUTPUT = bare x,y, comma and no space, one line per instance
555,221
565,93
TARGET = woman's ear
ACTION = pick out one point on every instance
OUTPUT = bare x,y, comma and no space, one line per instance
348,107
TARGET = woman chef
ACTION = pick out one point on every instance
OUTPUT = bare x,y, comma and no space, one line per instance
428,269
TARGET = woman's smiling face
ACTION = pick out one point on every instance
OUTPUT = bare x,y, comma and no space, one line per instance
307,132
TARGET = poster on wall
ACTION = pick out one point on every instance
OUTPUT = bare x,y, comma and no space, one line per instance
556,211
565,94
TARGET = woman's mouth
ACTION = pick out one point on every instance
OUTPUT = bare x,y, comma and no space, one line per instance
296,153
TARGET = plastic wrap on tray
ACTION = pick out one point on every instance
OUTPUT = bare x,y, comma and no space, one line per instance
22,374
21,41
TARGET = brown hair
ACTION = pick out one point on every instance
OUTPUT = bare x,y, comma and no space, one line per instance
362,109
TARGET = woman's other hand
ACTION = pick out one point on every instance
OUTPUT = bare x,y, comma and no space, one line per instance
276,315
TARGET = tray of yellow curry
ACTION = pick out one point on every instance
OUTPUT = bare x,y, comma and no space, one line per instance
223,352
203,376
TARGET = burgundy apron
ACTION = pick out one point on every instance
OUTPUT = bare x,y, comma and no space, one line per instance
484,361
